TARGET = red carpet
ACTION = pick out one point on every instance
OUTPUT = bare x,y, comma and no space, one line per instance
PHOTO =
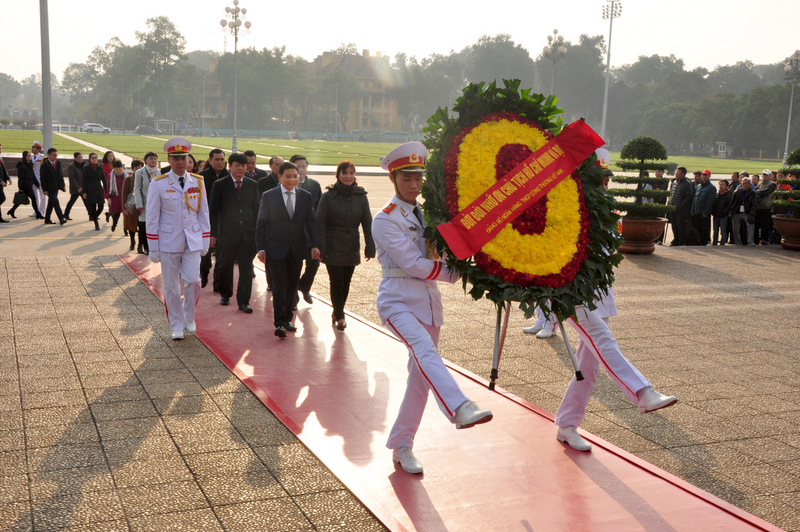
339,393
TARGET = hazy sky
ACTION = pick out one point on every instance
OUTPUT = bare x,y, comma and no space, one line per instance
701,32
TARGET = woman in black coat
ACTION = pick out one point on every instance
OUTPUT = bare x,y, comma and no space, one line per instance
26,180
341,210
94,188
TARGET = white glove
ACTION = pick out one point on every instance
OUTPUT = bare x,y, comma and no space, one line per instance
155,256
204,252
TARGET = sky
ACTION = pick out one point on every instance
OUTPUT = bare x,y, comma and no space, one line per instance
703,33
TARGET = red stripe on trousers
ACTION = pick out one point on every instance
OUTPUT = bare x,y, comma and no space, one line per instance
414,355
608,369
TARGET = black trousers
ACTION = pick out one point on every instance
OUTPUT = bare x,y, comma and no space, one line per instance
679,222
340,277
702,225
763,225
72,199
53,205
205,269
143,237
227,254
285,276
307,279
95,209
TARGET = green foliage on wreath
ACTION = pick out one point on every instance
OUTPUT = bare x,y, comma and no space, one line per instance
596,272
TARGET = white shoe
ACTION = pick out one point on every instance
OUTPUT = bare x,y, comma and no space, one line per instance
407,460
532,330
650,400
191,327
177,335
469,414
570,436
545,333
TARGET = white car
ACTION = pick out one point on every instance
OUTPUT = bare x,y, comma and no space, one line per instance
90,127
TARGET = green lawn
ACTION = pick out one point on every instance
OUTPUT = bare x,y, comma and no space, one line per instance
318,152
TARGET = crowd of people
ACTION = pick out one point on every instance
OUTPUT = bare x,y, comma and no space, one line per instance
737,211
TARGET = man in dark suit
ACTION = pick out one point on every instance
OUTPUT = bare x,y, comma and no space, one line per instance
253,172
285,217
270,181
52,182
233,210
312,265
216,170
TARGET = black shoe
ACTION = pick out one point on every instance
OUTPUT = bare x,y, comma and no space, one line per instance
224,301
66,217
113,227
108,215
62,221
132,246
49,222
125,233
139,250
39,217
307,297
203,282
289,327
11,213
96,225
247,309
280,332
3,221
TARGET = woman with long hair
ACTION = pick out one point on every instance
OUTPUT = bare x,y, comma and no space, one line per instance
108,167
26,180
342,208
113,196
94,188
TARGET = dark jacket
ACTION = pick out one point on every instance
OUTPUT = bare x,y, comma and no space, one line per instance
94,183
234,213
267,183
749,201
341,210
276,233
25,176
209,177
682,196
765,194
704,196
75,175
52,177
722,204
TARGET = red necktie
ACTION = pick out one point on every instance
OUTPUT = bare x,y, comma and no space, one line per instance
238,185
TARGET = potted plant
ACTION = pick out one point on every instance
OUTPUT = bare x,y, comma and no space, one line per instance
644,218
787,204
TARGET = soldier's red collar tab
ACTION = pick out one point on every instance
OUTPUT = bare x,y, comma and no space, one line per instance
389,208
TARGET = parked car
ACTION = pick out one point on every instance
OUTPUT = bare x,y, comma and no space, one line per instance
91,127
147,130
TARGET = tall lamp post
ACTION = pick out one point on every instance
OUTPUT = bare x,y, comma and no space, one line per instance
792,70
232,23
609,12
554,51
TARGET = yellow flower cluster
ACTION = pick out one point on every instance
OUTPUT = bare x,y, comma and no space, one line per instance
540,254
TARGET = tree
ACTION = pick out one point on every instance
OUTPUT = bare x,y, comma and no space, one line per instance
738,79
162,46
497,58
9,90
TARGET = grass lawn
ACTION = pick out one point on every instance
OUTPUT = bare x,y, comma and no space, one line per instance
318,152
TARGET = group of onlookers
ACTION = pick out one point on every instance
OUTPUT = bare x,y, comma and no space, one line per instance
740,209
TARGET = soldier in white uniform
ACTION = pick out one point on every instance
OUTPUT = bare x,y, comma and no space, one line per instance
596,345
178,233
37,159
410,305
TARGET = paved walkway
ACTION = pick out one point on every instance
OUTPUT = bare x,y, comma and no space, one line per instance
108,425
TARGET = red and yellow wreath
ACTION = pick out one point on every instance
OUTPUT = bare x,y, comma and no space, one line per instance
551,253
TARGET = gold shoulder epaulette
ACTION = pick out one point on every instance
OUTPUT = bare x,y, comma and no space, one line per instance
162,176
198,176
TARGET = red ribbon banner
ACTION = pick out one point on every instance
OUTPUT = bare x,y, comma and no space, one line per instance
529,181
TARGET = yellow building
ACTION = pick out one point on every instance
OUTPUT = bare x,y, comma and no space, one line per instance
376,108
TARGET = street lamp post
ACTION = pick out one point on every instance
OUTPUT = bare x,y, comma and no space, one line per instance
554,50
232,23
609,12
792,70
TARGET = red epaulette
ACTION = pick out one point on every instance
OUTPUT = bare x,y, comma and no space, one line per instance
389,208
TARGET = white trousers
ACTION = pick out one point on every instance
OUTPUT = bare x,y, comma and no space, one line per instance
426,371
177,267
550,324
596,346
41,199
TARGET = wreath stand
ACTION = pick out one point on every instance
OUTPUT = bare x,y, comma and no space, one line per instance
501,328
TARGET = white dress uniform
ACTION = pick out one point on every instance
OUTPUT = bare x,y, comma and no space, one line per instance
596,345
41,199
178,228
410,306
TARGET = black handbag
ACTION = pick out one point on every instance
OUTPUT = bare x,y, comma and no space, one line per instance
20,198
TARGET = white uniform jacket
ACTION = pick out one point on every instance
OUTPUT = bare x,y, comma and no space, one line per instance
177,220
409,271
606,304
